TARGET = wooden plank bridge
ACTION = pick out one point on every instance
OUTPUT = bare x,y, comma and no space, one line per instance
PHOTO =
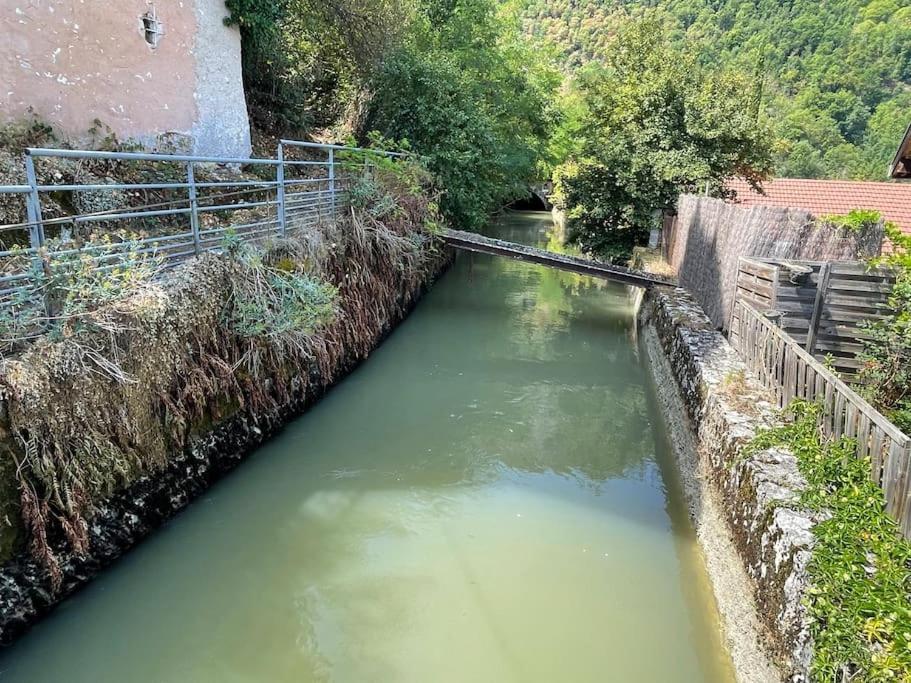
470,241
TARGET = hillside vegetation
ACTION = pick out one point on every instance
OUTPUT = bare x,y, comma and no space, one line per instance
835,76
452,80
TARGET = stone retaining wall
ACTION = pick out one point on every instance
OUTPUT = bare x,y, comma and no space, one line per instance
744,504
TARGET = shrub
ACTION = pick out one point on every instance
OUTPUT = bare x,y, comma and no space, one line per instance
274,300
885,377
429,100
69,281
858,601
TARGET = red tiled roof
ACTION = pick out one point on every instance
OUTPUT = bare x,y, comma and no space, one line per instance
832,197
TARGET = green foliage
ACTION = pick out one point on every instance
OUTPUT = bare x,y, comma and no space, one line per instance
452,77
836,76
428,100
70,283
886,372
471,100
655,122
392,189
304,60
857,220
279,299
861,567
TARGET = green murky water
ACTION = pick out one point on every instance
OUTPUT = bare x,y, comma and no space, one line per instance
488,498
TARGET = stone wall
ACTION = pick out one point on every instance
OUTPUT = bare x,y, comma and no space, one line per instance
709,236
74,62
743,504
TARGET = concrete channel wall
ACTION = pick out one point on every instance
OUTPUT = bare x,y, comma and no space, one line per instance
756,539
372,300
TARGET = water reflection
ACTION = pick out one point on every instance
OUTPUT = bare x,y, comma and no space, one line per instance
483,500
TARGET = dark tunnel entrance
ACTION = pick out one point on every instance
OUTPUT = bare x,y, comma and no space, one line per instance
532,202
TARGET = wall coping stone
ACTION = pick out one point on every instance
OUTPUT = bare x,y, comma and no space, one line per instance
757,493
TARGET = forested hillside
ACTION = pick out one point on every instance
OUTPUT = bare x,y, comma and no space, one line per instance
835,75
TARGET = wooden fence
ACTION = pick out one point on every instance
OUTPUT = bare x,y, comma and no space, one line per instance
789,372
819,304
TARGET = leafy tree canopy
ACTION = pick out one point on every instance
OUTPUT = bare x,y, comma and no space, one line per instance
836,74
653,122
455,78
468,95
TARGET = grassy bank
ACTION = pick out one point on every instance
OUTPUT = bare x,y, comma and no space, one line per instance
137,364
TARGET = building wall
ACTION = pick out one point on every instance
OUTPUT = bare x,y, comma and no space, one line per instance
74,61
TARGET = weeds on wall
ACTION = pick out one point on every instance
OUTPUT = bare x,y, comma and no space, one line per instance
154,361
71,284
859,601
391,188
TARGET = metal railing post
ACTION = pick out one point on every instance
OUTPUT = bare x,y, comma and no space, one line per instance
194,207
35,227
332,180
280,190
33,205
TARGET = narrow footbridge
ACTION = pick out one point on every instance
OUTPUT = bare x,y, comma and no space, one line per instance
470,241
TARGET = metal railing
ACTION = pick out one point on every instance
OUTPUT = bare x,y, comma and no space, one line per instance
179,206
789,372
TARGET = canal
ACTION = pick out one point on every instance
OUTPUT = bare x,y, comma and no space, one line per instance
488,498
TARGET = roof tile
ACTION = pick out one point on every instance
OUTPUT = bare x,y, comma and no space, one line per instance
831,197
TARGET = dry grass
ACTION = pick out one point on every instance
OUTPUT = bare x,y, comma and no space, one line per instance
93,411
652,261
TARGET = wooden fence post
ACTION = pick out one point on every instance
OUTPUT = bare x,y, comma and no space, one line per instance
822,287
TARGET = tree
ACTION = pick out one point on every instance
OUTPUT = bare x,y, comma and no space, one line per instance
304,61
469,96
656,123
454,78
837,61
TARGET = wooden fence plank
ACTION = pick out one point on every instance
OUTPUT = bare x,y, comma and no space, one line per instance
818,304
788,371
863,436
876,456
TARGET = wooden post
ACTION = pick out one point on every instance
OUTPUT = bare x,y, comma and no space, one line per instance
822,287
776,278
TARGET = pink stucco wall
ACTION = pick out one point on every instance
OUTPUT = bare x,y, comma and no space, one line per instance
72,61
